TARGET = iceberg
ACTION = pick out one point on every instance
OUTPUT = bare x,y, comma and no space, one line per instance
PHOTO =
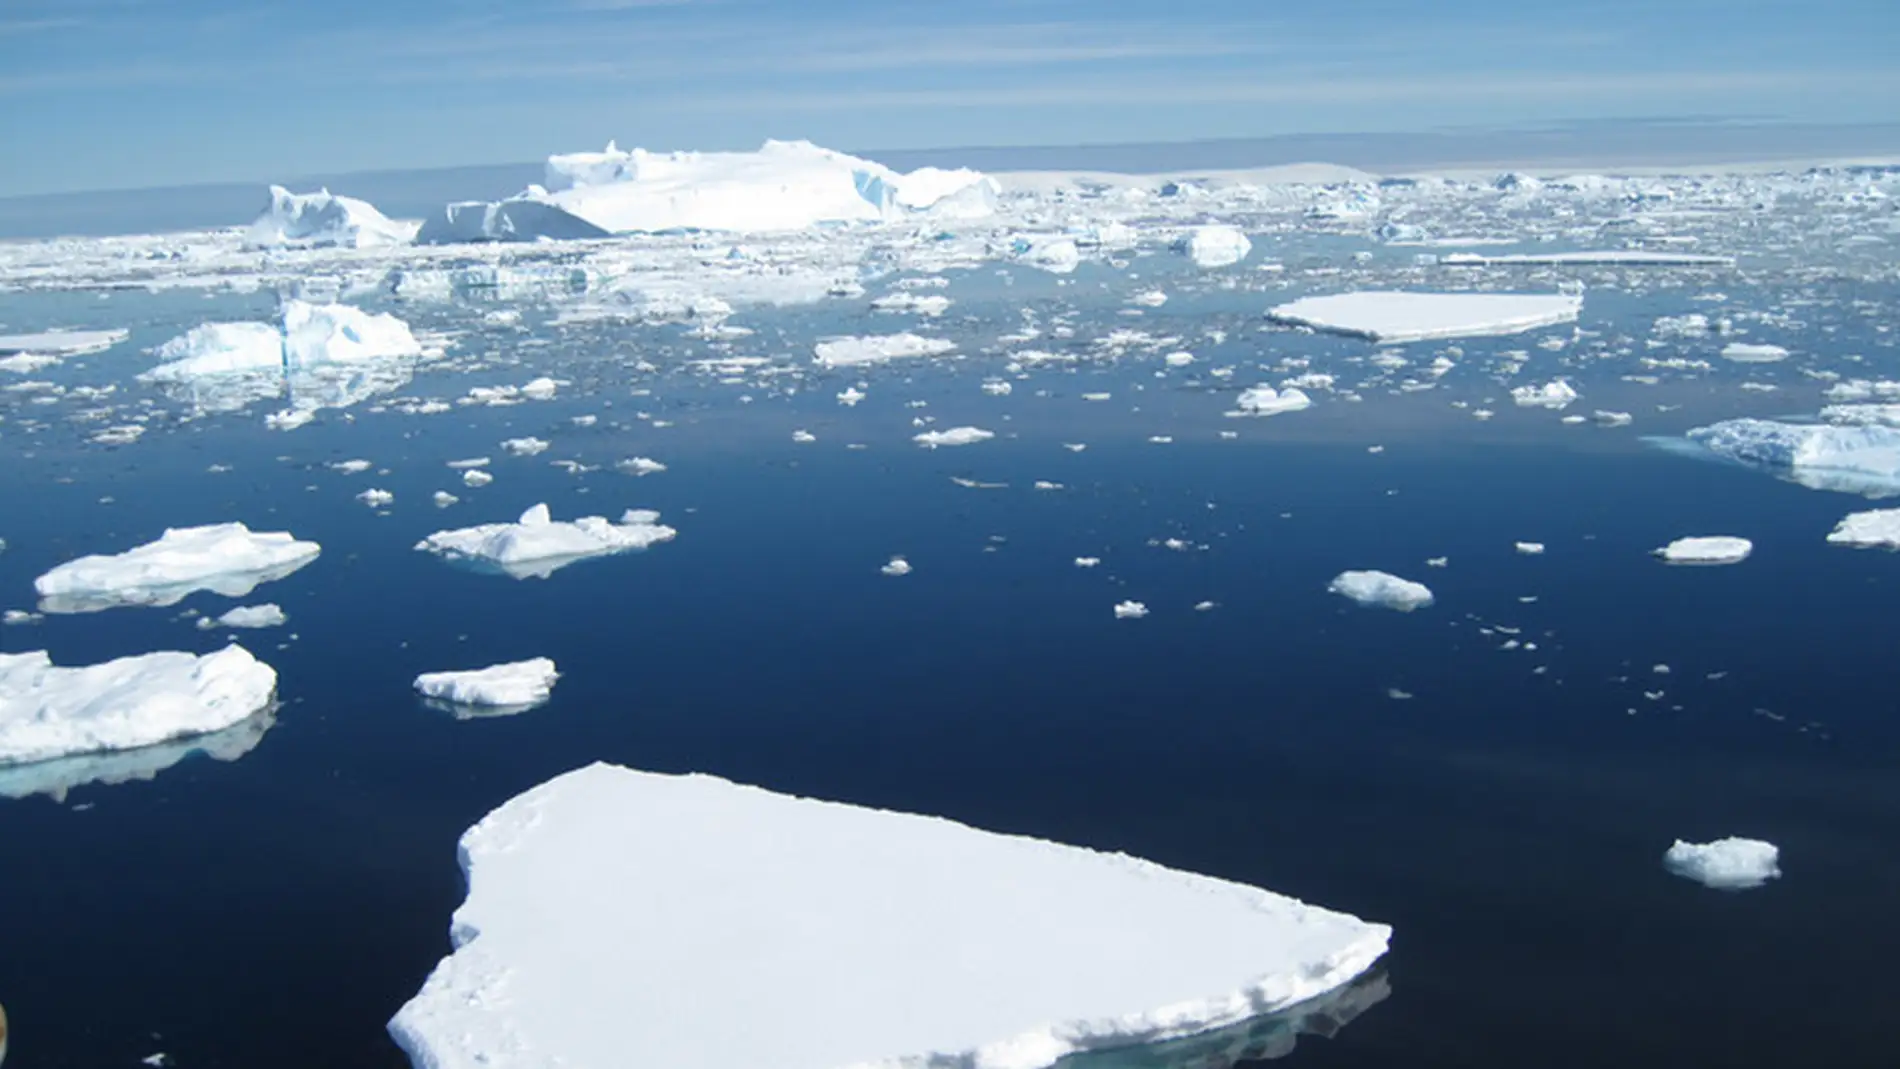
1707,549
57,777
1266,401
1745,353
1216,246
536,545
1395,316
309,334
323,218
1726,864
49,712
1557,394
876,349
1381,590
514,687
630,917
1876,528
784,186
953,436
1858,460
224,558
246,616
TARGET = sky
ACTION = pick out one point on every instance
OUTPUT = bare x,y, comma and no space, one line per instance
115,94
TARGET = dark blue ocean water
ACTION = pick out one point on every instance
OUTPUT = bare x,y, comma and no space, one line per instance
1509,823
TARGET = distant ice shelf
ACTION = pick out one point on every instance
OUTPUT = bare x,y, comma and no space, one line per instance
630,917
224,558
1395,316
536,546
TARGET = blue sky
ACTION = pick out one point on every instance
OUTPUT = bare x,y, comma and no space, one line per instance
127,93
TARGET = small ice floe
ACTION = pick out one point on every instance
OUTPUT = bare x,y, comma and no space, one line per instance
1097,396
1726,864
876,349
896,566
471,462
1206,606
376,498
803,437
496,690
997,389
1075,447
1706,549
1438,562
1557,393
1087,562
1745,353
1161,439
308,336
351,467
1381,590
525,447
1130,610
1045,484
443,499
1390,316
19,617
924,304
246,616
324,218
60,343
1216,246
536,545
1149,298
846,912
641,466
1529,549
542,389
1612,419
1266,401
49,712
953,436
225,558
850,396
1875,528
476,477
976,484
1178,359
1398,695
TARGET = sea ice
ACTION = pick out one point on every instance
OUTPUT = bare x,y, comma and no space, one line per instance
1217,246
1381,590
1709,549
1393,316
60,342
516,686
1557,393
953,436
1726,864
1266,401
375,498
49,712
1863,460
307,336
1876,528
323,218
896,566
248,616
1130,610
536,546
225,558
617,917
641,466
526,447
875,349
1745,353
1529,549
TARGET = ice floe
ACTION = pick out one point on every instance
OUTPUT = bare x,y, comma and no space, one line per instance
1876,528
876,349
536,545
1730,864
246,616
1130,610
1217,246
953,436
1707,549
59,343
1746,353
225,558
1395,316
48,712
1557,393
896,566
514,687
323,218
1861,460
1266,401
630,917
1381,590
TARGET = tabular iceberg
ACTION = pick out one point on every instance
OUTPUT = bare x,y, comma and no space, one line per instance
1873,528
1381,590
515,686
536,546
1860,460
224,558
49,712
785,185
1395,316
1707,549
617,917
1726,864
323,218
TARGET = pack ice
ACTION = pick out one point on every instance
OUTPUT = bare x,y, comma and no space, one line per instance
323,218
785,185
224,558
48,712
617,917
1395,316
515,686
1381,590
1860,460
537,545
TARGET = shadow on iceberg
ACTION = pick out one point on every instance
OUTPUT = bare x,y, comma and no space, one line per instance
60,775
1263,1038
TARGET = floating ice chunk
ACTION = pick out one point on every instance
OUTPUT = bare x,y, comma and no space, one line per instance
476,477
1589,257
1056,255
443,499
1266,401
525,447
1862,415
926,304
1087,562
1864,460
246,616
472,462
1557,393
1216,246
1709,549
850,396
953,436
897,566
48,712
225,558
803,437
1529,549
1864,390
351,467
873,939
58,776
641,466
1178,359
875,349
1150,298
18,617
59,343
997,389
536,546
1391,316
1612,419
1130,610
1381,590
1726,864
515,686
375,498
323,218
1744,353
1877,528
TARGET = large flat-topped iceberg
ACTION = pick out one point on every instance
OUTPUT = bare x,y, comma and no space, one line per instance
49,712
536,545
224,558
323,218
1857,460
306,335
1395,316
785,185
617,917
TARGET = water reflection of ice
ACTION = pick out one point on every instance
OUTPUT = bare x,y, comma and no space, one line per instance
1261,1038
228,584
58,776
306,390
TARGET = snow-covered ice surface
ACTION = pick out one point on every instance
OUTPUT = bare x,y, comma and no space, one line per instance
324,218
1707,549
1875,528
48,711
1389,316
1858,460
1381,590
1730,864
60,342
513,687
537,545
224,558
622,917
